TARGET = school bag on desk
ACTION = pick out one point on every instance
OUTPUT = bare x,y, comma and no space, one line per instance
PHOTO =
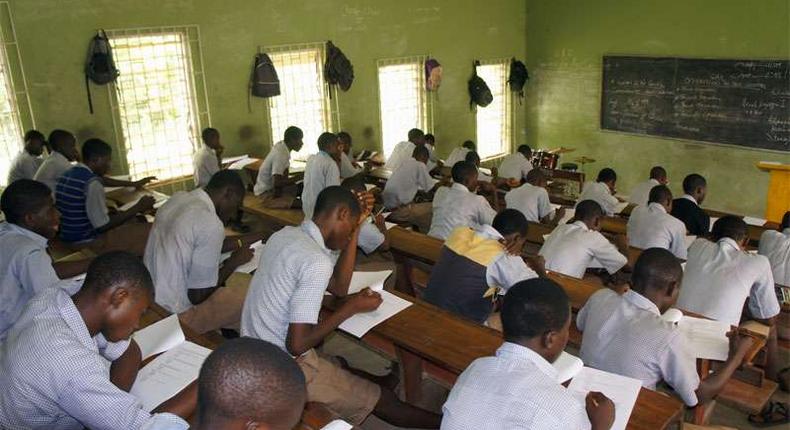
100,66
479,93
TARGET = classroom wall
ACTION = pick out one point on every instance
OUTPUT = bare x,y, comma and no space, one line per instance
54,35
566,40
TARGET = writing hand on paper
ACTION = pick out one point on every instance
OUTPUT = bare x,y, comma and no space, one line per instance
240,256
380,223
600,410
145,203
739,343
366,202
366,300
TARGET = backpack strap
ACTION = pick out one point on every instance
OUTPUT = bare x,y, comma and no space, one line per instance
88,88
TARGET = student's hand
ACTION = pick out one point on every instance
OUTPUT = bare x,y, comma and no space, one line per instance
600,410
366,300
145,203
143,182
366,202
558,214
240,256
739,343
512,247
537,263
219,150
494,172
379,220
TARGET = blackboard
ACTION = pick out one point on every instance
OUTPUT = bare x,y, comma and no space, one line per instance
736,102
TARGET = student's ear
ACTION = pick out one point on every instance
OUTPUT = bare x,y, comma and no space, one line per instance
549,339
118,296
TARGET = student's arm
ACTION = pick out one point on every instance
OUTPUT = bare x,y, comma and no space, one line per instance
146,203
182,404
123,370
763,303
600,411
711,386
237,258
112,182
608,254
344,268
382,227
205,274
70,269
232,243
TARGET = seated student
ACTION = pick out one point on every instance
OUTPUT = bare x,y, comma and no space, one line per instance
478,264
348,167
532,200
474,158
641,191
459,205
64,151
406,182
775,245
625,334
30,221
284,301
183,254
208,159
322,171
602,191
572,248
27,162
372,235
687,209
273,184
403,150
518,387
652,226
433,160
459,153
55,370
515,166
248,384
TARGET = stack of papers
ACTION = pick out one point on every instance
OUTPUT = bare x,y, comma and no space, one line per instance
622,390
706,339
567,366
391,304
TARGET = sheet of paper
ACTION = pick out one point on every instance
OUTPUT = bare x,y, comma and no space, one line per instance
238,165
168,374
569,213
338,425
484,171
160,336
374,280
622,390
554,207
706,338
567,366
360,324
620,206
230,160
251,265
389,225
159,200
759,222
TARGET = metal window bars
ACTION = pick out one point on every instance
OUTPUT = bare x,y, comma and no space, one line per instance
494,123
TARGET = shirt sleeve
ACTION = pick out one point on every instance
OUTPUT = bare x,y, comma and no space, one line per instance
486,213
37,272
203,271
678,244
166,421
331,175
508,270
280,164
581,317
424,180
763,302
544,205
607,254
370,238
96,205
679,370
306,301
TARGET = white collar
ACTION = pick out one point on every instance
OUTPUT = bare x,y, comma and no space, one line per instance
641,302
657,207
312,230
513,351
581,225
35,237
727,241
688,197
490,232
461,187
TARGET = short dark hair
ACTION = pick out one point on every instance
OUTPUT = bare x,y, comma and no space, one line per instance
415,133
226,179
430,138
607,175
463,170
659,194
420,152
250,378
118,267
469,144
325,139
510,221
336,196
345,137
293,133
785,221
535,175
525,149
23,197
94,148
472,157
354,183
588,210
208,133
729,226
58,137
692,182
658,172
34,135
655,269
533,308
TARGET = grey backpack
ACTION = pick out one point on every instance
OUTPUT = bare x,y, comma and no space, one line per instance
100,66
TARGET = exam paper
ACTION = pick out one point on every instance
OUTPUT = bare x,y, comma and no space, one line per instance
567,366
672,315
712,221
159,200
238,165
706,338
622,390
360,324
369,187
251,265
231,160
168,374
338,425
620,206
374,280
759,222
159,337
484,171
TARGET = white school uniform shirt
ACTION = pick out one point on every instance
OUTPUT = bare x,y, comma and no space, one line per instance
24,166
456,206
458,154
55,376
506,270
625,335
530,200
515,166
184,247
640,194
406,180
652,227
571,248
599,192
321,172
277,161
516,389
400,153
775,246
347,168
718,279
206,165
370,237
432,158
51,169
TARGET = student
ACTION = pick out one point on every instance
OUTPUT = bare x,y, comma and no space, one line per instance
518,387
208,159
69,362
625,334
273,185
183,254
514,167
433,160
532,200
27,162
775,245
459,205
372,235
572,248
64,151
406,182
652,226
479,264
687,209
248,384
284,301
641,191
459,153
602,191
474,158
322,171
348,167
403,150
30,221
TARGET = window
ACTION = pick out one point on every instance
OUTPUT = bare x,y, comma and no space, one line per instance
404,103
494,122
156,104
304,99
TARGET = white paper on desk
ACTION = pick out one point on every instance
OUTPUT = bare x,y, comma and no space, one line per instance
706,338
159,200
567,366
388,225
230,160
251,265
360,324
712,221
362,280
238,165
484,171
168,374
620,207
622,390
162,336
554,206
759,222
569,213
337,425
689,240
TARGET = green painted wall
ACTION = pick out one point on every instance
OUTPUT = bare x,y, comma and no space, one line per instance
565,42
54,35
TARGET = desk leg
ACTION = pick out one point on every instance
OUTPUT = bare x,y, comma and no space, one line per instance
411,374
701,412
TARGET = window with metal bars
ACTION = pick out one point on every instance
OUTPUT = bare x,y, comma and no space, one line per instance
404,103
495,121
156,107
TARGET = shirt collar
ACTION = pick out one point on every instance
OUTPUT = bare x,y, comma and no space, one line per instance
727,241
512,351
489,231
653,181
581,224
688,197
655,206
56,154
35,237
312,230
203,196
457,186
74,320
641,302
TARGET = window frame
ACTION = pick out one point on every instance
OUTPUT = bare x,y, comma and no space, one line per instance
508,110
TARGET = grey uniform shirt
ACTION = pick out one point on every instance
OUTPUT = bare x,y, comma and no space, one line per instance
400,153
51,169
321,172
652,227
401,188
276,163
571,248
640,194
775,245
456,206
24,166
514,166
206,164
599,192
530,200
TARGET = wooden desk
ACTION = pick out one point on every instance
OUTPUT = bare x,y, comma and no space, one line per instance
254,205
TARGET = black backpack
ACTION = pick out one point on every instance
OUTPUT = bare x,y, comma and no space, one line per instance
338,69
100,66
518,77
479,93
264,81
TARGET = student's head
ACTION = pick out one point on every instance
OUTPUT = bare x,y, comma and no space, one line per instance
337,213
537,314
430,139
250,384
211,137
421,154
416,136
97,155
64,142
785,221
512,225
328,143
657,276
344,140
537,178
659,174
468,144
525,150
465,173
607,176
473,157
732,227
695,186
35,142
590,213
662,195
29,204
293,138
354,184
226,190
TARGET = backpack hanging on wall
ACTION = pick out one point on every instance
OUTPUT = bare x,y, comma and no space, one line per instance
518,77
264,81
433,74
100,66
479,93
338,69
